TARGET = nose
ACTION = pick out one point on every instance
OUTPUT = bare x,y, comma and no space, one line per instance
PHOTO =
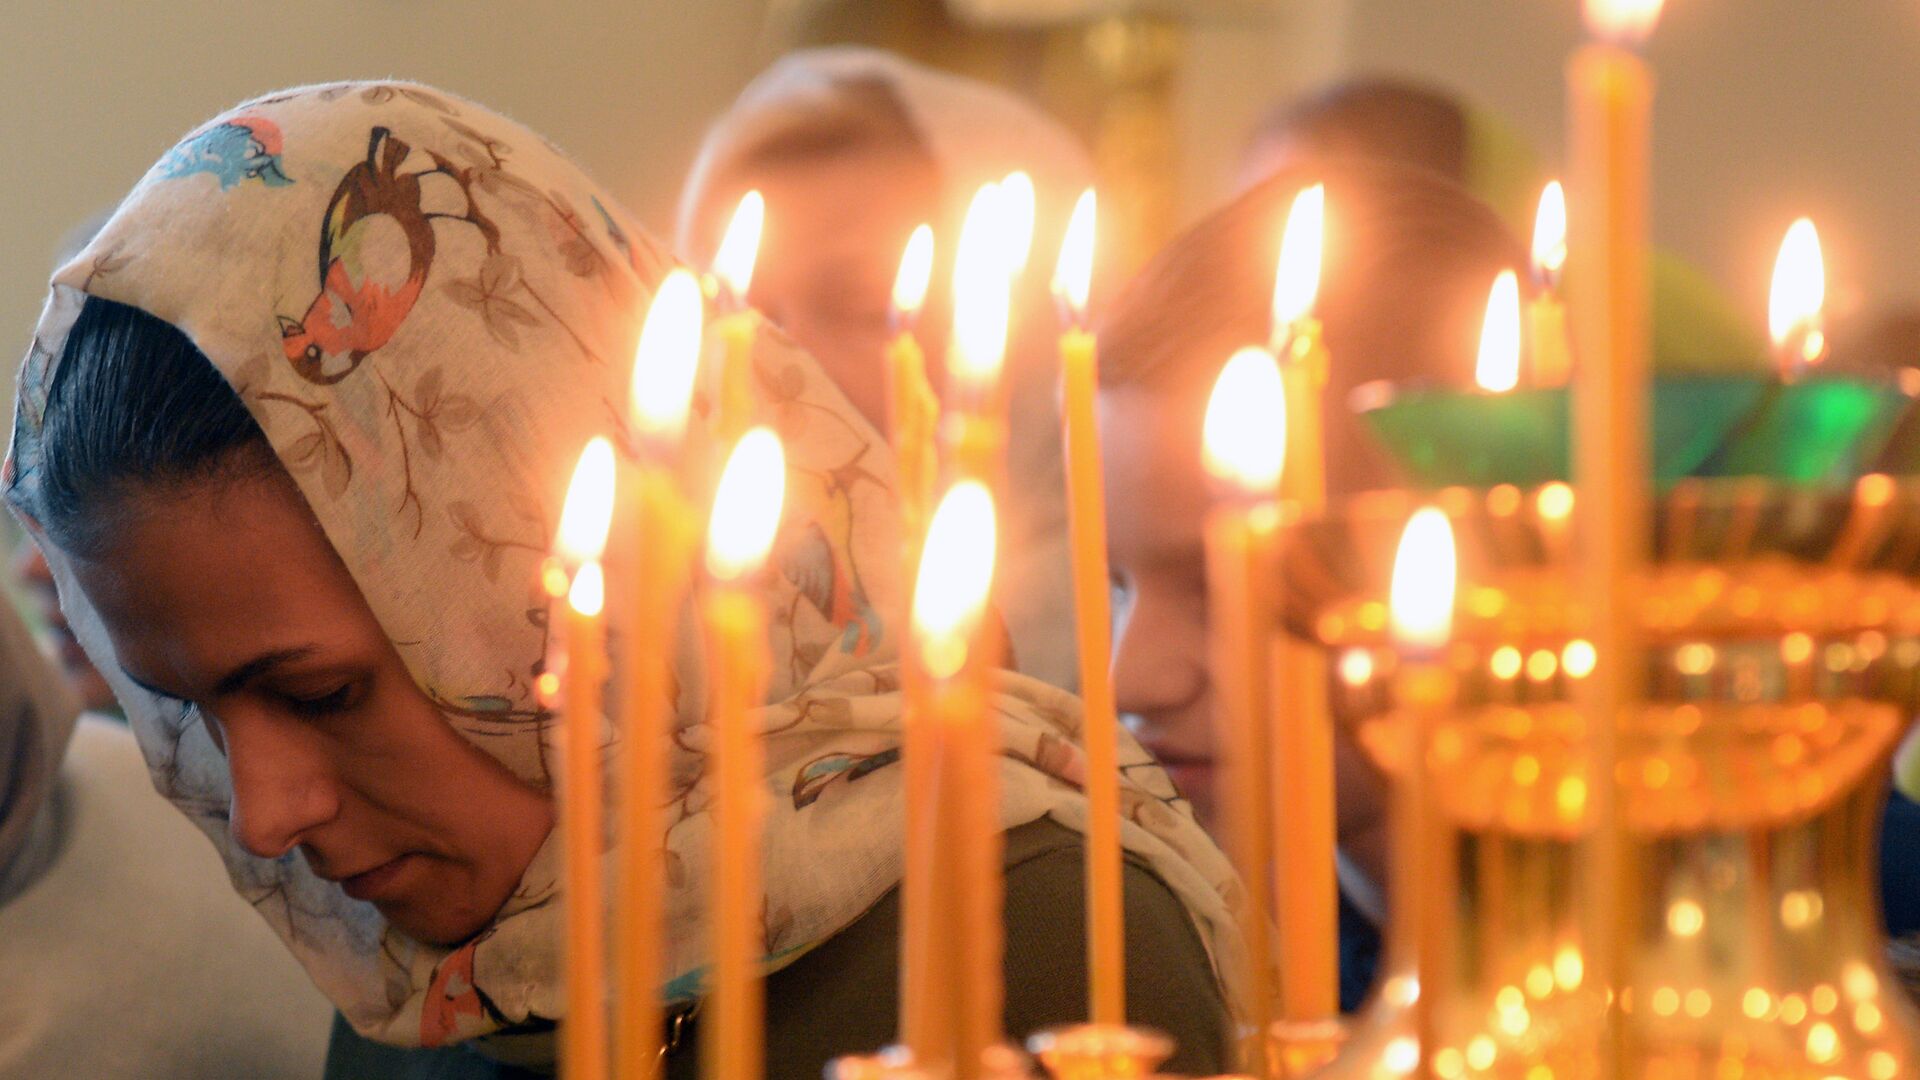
1158,662
283,784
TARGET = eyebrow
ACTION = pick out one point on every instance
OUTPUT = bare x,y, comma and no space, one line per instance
239,676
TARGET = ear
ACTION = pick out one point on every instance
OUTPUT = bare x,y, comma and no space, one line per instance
288,326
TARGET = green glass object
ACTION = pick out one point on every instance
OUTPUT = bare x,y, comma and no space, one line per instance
1819,428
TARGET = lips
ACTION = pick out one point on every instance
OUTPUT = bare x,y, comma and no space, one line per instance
371,885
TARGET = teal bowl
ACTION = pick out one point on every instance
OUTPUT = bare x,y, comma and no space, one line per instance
1816,429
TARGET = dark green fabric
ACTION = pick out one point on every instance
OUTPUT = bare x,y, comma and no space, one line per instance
843,998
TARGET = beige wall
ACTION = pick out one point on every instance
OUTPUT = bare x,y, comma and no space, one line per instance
1767,109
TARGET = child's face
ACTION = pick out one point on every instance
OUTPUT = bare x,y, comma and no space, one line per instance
1157,501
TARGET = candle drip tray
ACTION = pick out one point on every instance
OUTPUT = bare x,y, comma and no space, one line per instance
1740,936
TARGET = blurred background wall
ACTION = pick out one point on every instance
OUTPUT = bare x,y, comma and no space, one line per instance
1769,108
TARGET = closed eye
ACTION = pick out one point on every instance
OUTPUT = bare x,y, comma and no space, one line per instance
331,703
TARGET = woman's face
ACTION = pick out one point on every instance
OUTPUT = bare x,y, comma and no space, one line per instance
227,596
1156,508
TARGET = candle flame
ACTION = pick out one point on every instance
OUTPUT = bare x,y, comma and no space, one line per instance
746,505
1498,369
981,292
916,270
1073,274
1245,433
740,247
1799,291
1424,572
1016,192
1625,22
589,592
588,512
956,575
1297,279
667,357
1550,234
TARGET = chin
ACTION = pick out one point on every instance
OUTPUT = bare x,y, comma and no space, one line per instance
437,927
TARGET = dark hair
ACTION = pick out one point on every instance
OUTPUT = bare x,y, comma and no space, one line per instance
134,404
1409,259
1375,119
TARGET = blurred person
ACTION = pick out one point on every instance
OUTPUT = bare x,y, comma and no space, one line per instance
1696,327
1409,258
853,148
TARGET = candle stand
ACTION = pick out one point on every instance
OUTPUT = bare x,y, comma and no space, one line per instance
1783,664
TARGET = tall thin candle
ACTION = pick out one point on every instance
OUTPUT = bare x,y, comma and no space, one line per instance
1306,898
1552,356
1421,602
1093,619
1245,446
952,642
914,417
746,512
1610,94
656,511
733,266
582,536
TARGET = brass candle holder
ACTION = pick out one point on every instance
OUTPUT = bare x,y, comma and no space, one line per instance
1783,630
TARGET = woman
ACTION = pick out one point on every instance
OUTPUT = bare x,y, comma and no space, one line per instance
296,510
853,148
1409,259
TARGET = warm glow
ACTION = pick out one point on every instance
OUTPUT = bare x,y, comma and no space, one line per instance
1424,571
1297,281
1626,22
956,574
733,263
980,292
589,592
1498,369
588,512
746,505
1799,291
1550,234
916,270
667,357
1017,201
1073,274
1244,438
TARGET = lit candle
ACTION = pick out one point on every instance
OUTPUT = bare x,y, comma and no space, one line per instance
1420,602
746,514
1794,306
1245,444
1498,368
1546,315
733,273
1610,95
914,411
952,646
1307,894
1093,619
976,425
914,416
664,365
584,521
1016,189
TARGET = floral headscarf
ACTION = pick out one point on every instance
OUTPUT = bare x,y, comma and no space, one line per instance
429,310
